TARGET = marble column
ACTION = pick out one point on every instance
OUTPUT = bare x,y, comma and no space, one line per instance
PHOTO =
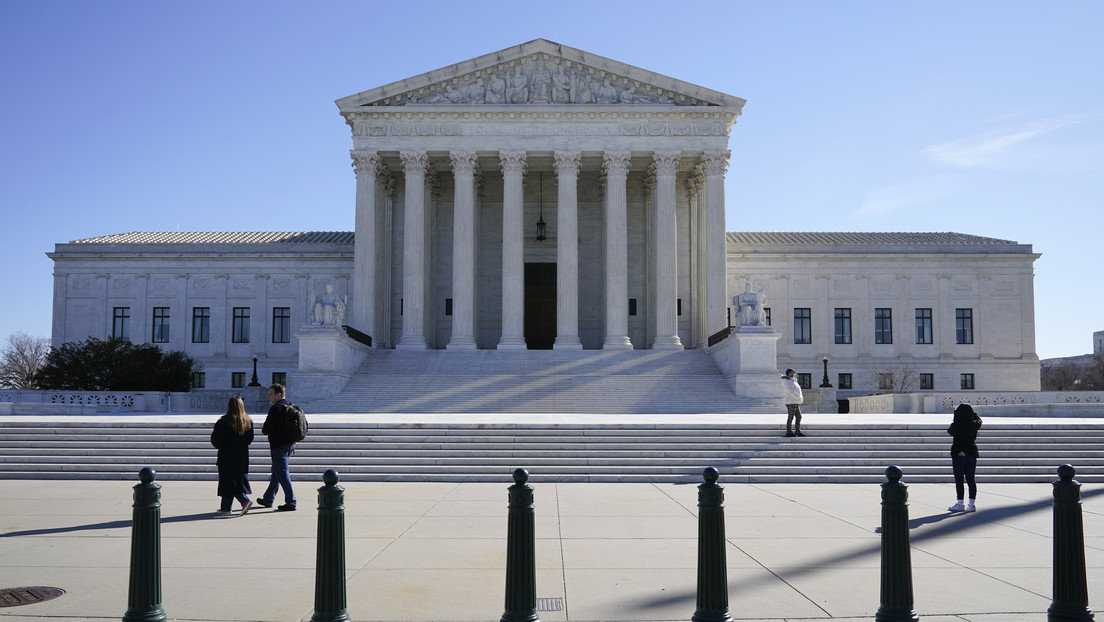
513,266
567,251
413,319
666,252
716,295
616,165
464,165
363,302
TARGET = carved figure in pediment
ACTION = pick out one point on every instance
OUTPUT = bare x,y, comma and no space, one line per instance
452,95
540,84
607,93
477,92
561,86
496,89
517,91
582,94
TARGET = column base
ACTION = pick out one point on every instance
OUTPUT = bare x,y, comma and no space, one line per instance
617,343
567,343
667,343
512,343
462,343
411,343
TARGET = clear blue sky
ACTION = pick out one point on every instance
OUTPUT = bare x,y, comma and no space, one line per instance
978,117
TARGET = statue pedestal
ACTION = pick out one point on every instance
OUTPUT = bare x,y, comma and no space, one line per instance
749,360
328,358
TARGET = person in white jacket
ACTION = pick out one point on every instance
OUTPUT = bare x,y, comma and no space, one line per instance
791,395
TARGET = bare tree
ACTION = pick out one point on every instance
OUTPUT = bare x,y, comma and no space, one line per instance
1064,376
21,359
895,377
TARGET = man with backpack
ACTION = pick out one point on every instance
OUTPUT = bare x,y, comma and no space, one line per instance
284,426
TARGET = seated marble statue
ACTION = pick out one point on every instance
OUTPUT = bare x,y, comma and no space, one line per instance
328,309
752,312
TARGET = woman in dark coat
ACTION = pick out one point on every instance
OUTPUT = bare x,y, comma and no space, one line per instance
964,454
232,435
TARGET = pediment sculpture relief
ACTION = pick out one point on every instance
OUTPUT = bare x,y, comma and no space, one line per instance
541,79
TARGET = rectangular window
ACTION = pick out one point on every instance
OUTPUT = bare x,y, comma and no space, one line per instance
927,381
160,325
883,325
923,326
120,323
279,377
448,306
843,325
201,324
678,306
281,325
885,381
240,332
632,306
803,325
805,381
766,310
966,382
237,380
199,380
844,381
964,326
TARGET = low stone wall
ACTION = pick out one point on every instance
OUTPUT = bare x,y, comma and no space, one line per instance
1003,403
26,402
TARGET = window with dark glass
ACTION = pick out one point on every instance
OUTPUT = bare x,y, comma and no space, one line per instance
883,325
237,380
766,311
923,326
843,325
201,324
803,325
885,381
844,381
632,306
199,380
240,328
964,326
281,325
966,382
448,306
160,325
805,381
279,377
927,381
120,323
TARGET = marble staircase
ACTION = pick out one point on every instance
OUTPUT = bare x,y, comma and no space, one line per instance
540,381
758,453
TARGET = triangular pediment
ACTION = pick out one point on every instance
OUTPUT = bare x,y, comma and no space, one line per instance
539,72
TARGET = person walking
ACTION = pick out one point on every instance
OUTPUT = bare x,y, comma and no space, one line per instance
964,455
232,434
281,448
791,395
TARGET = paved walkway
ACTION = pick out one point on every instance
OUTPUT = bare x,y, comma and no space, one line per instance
624,552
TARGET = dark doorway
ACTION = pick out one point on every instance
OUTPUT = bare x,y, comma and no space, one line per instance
540,305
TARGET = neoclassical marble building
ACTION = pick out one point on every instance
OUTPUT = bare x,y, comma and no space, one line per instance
542,197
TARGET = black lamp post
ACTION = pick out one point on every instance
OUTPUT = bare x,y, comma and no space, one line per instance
824,384
540,205
254,382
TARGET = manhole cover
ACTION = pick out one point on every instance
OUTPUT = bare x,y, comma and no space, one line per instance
16,596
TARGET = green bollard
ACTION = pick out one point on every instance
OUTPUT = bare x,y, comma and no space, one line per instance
521,556
712,564
1070,587
329,564
896,593
144,597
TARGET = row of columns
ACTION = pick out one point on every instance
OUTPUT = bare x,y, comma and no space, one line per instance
365,306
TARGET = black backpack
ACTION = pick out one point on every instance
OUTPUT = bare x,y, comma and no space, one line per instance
295,424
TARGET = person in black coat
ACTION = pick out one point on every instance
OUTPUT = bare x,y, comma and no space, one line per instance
964,454
232,435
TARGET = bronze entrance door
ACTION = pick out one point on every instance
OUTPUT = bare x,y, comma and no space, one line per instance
540,305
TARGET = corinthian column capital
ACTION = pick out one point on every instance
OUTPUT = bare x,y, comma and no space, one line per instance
715,162
464,162
566,162
414,162
512,161
616,162
365,162
666,162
